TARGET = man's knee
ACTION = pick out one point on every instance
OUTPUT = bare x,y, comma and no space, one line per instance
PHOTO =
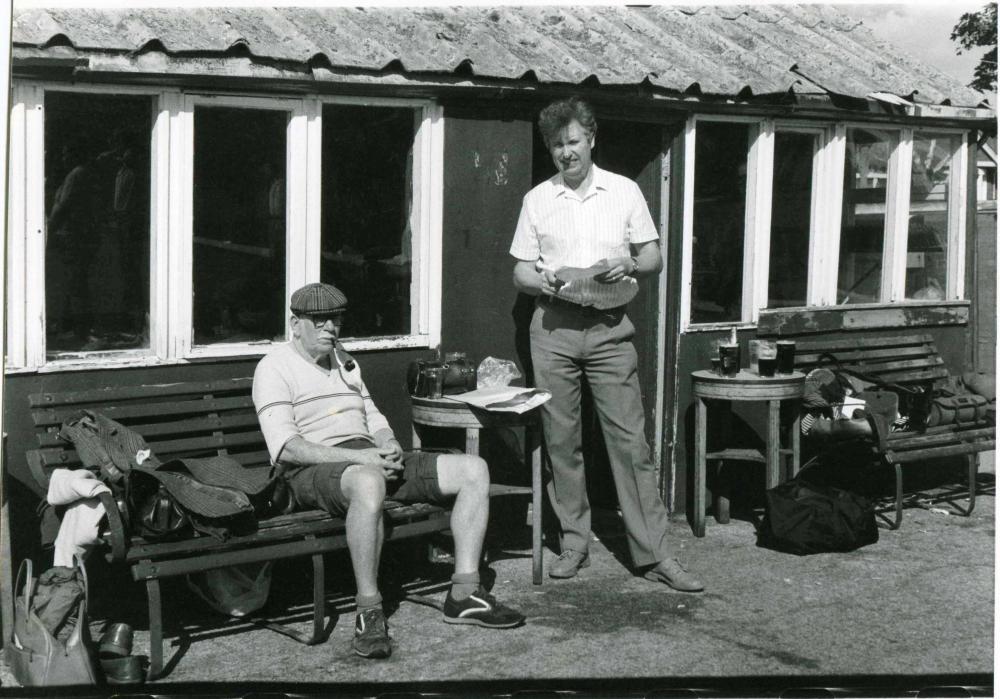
364,486
475,472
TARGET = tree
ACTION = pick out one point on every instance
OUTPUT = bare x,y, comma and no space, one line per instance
976,29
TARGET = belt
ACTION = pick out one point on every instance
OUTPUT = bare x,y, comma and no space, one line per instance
587,311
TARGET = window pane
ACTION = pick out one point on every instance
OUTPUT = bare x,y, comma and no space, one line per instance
791,213
239,224
97,166
862,228
927,242
367,202
720,174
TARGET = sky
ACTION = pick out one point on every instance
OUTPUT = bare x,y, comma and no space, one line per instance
924,30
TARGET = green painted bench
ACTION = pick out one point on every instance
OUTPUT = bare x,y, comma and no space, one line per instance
195,419
907,360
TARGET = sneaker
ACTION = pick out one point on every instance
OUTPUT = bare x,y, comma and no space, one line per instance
371,635
568,563
671,572
481,609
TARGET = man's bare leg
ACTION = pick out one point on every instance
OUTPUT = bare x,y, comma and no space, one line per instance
468,479
364,487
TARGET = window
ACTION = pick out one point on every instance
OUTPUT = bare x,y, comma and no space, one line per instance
788,214
791,218
239,225
172,225
863,220
930,212
720,189
367,210
96,173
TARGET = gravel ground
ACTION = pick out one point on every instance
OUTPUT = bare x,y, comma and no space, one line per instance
919,603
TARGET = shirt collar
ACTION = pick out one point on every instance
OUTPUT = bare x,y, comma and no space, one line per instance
597,182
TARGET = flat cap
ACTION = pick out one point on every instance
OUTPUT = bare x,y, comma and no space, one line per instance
318,298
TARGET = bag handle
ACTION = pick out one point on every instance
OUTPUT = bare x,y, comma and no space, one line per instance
83,574
29,587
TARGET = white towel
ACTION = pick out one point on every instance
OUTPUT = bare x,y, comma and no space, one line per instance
68,485
78,532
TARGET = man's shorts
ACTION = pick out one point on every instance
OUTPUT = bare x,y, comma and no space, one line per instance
318,486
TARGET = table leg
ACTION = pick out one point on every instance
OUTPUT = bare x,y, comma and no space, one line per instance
698,519
416,437
472,441
773,442
536,511
796,434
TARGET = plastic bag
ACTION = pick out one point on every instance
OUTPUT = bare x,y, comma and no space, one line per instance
496,372
236,590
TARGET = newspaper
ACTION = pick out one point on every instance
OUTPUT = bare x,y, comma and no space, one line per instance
505,399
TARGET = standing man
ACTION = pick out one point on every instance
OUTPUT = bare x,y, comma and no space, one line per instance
336,452
579,217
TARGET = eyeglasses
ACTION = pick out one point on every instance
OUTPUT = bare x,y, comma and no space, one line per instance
320,320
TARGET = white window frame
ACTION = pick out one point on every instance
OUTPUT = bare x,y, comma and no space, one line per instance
26,318
182,243
171,223
829,160
428,194
753,191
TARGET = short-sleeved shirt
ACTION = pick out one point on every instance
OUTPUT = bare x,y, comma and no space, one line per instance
562,228
296,397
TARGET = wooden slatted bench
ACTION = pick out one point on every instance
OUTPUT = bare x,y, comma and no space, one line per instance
197,419
908,360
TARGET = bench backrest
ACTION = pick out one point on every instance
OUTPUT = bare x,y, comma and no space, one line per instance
189,419
902,359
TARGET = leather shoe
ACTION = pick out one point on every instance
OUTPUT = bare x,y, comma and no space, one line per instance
671,572
116,642
568,563
127,670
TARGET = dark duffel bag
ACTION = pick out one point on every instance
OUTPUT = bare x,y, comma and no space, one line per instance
805,518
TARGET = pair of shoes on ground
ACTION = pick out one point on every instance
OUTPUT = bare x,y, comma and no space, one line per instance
371,632
669,571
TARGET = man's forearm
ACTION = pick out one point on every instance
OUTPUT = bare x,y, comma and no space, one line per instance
384,435
301,452
527,278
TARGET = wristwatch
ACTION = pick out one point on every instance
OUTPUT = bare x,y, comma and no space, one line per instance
635,266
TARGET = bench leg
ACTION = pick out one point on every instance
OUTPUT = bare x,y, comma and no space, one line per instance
155,630
899,497
973,464
319,609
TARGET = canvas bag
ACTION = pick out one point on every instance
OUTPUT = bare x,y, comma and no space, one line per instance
35,656
805,518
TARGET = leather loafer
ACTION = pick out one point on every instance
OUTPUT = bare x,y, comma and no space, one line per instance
672,573
568,563
116,642
127,670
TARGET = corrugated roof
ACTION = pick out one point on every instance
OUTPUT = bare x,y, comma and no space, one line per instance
714,50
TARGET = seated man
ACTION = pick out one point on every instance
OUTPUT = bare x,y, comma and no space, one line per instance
336,452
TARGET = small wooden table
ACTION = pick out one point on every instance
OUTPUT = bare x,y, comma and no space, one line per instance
744,386
447,412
